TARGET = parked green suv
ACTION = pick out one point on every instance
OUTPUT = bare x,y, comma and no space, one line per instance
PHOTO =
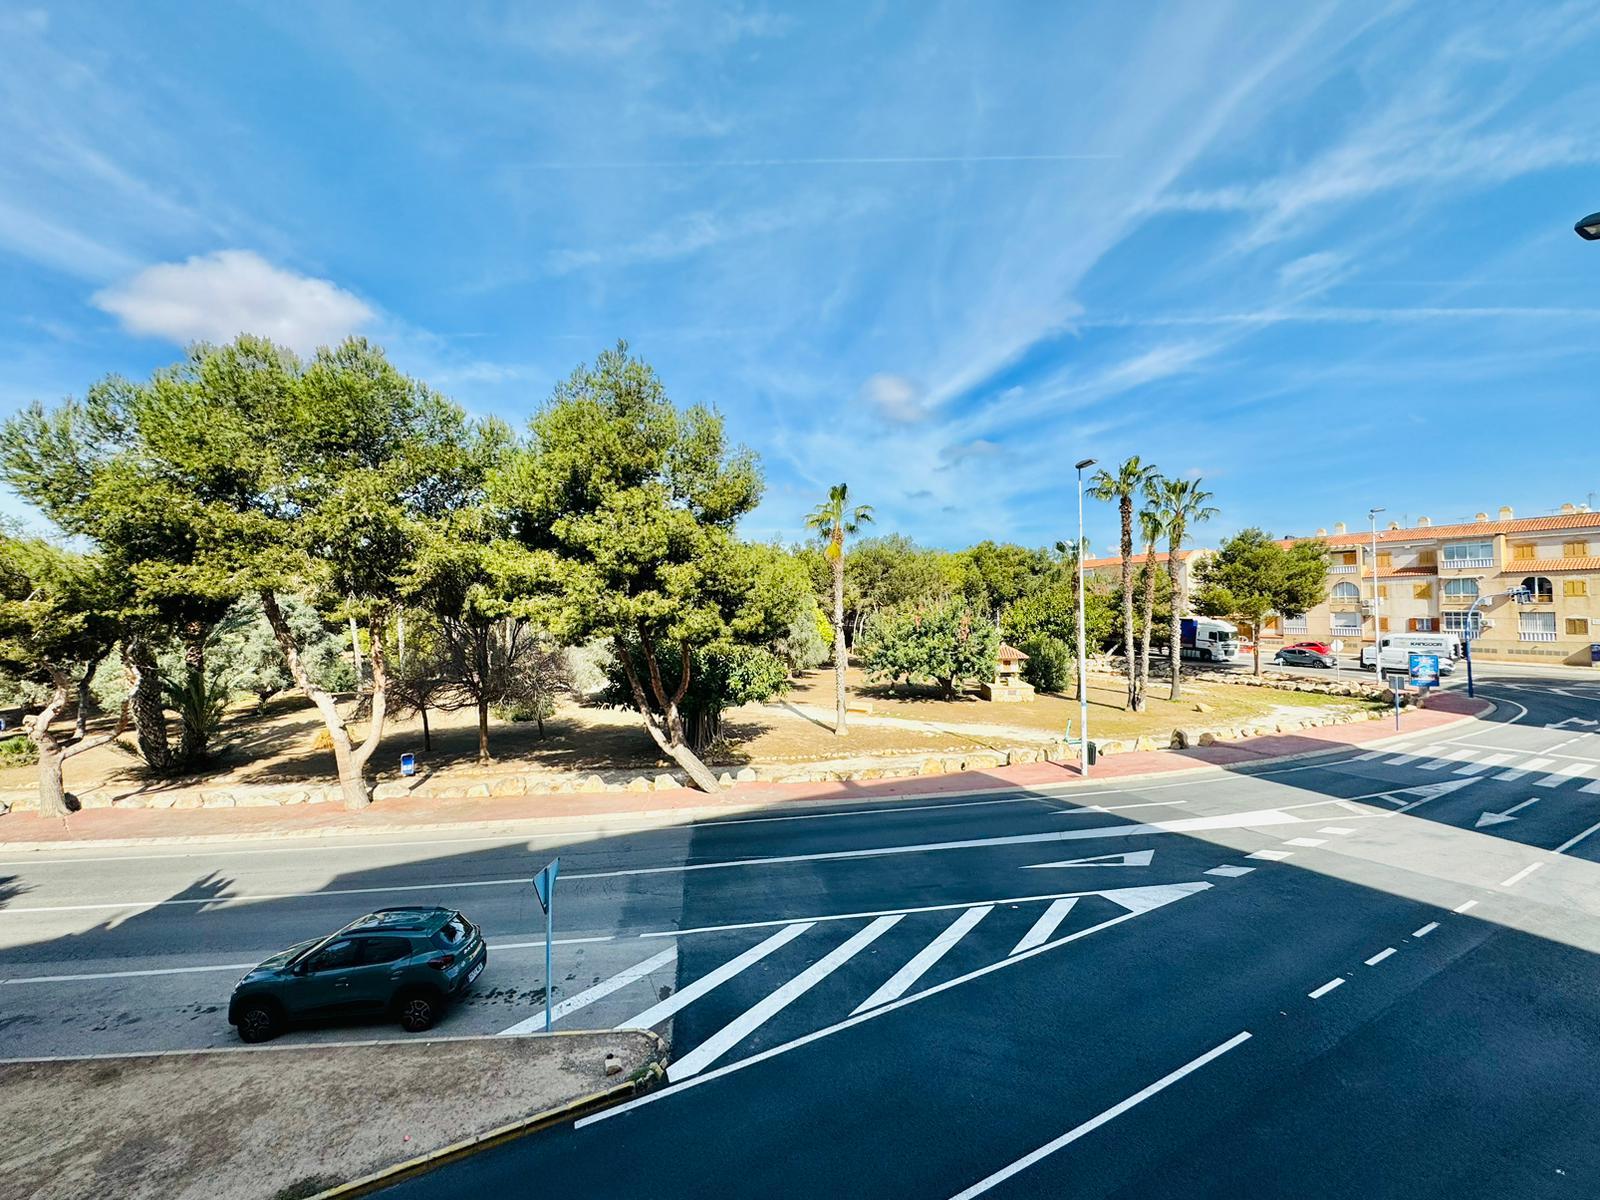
405,961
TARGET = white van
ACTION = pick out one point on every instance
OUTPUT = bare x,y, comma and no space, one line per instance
1395,651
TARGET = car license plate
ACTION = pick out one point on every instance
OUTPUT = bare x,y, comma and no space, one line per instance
475,972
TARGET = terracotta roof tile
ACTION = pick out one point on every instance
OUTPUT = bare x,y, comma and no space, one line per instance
1420,533
1547,566
1091,564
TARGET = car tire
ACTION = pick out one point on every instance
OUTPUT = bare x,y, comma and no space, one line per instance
417,1011
258,1022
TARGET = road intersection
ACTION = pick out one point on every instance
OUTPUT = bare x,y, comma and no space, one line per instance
1242,982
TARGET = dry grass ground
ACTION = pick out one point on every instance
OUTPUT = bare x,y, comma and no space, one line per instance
277,745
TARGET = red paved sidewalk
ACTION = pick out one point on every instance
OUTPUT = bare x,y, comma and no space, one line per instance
102,826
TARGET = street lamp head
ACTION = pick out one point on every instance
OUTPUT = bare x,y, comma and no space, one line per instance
1372,512
1088,462
1589,228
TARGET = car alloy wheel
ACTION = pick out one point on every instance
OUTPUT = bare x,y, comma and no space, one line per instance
255,1025
416,1014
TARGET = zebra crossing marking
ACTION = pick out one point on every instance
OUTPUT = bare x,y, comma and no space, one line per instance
1524,768
1045,925
923,960
599,991
769,1006
691,992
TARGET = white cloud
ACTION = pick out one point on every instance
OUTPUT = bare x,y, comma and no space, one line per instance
215,297
895,398
1310,268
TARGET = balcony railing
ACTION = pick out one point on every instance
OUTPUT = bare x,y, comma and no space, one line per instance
1468,563
1346,630
1536,635
1342,569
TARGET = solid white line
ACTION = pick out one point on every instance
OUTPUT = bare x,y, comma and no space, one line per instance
1179,825
735,1031
1110,1114
1465,906
689,993
1425,930
498,948
599,991
874,1014
1379,956
1573,841
881,912
1524,873
897,984
1326,988
1044,926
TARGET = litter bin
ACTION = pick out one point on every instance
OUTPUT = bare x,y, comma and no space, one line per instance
1094,754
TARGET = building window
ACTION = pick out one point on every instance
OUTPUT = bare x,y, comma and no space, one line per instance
1383,624
1385,560
1344,562
1460,589
1536,626
1273,626
1574,587
1424,625
1575,550
1456,622
1540,588
1578,626
1522,552
1422,591
1346,591
1300,624
1469,554
1383,591
1427,558
1346,623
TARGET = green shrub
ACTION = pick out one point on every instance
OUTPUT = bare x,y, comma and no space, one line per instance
17,751
1049,665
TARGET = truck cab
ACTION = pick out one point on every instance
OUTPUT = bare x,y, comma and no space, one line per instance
1209,640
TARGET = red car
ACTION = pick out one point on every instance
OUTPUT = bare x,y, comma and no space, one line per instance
1314,647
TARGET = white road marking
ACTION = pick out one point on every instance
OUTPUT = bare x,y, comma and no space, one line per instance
1465,906
1268,816
1305,841
1326,988
1522,874
1134,858
1552,781
691,992
1337,829
1178,892
1437,764
1369,756
1271,855
1044,926
1573,841
735,1031
1521,769
1591,787
897,984
599,991
1425,930
1380,956
498,948
1400,760
1230,872
1110,1114
1494,760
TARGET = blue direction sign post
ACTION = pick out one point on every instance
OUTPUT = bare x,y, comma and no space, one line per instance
544,886
1424,670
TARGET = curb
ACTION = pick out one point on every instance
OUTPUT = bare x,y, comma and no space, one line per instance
514,825
645,1079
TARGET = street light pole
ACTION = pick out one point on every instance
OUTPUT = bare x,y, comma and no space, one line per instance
1377,666
1083,651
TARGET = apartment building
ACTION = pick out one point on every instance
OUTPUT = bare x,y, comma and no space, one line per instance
1110,569
1430,576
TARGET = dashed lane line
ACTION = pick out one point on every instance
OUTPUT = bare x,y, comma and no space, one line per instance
1380,956
1521,875
1425,930
1326,988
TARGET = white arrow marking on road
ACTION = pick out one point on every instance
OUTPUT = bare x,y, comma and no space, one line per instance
1578,722
1429,791
1500,818
1134,858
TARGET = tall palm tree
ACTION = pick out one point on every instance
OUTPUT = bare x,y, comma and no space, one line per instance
1183,504
1131,479
1152,526
833,520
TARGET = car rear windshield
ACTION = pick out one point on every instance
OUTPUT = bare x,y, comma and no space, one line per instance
454,931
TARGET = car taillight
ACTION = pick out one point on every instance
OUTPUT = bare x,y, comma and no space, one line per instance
443,961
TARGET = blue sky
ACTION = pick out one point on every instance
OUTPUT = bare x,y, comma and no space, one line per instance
1320,255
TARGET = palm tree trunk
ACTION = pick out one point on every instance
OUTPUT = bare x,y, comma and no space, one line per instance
192,737
1174,641
1127,601
840,655
144,695
1148,619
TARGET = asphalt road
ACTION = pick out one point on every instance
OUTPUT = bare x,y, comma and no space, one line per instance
1373,974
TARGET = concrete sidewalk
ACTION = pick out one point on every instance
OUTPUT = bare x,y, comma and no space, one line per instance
110,827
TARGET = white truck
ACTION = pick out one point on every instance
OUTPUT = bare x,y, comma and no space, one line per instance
1209,640
1394,651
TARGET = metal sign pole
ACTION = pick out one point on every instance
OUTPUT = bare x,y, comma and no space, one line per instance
544,887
